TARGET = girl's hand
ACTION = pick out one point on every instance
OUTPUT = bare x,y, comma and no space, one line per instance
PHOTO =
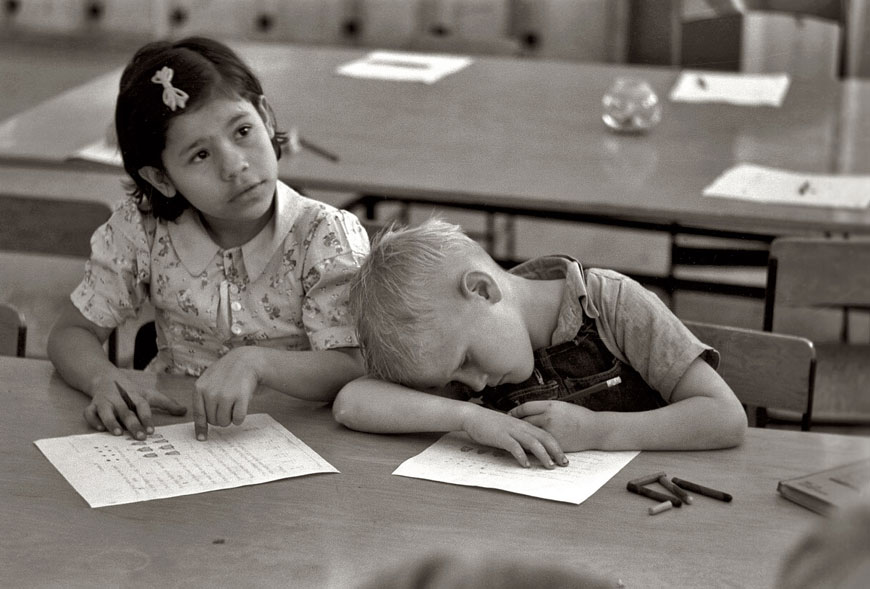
514,435
221,395
568,423
117,405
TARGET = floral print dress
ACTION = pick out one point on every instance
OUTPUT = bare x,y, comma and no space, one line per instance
286,288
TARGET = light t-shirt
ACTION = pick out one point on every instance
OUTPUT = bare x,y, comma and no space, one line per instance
634,324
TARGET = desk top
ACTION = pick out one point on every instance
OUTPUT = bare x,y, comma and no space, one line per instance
335,530
518,133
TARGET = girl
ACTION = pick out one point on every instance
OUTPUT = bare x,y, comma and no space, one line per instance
238,267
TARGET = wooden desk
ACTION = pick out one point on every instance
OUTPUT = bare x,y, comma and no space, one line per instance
519,136
335,530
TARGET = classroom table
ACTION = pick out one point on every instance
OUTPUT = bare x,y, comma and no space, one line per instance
519,136
337,530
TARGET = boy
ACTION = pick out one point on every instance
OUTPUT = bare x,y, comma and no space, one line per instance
436,314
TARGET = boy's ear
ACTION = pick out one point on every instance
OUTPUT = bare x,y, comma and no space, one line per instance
158,179
481,285
266,114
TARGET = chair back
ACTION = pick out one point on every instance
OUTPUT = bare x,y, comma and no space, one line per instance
54,226
765,370
818,272
44,242
13,331
804,39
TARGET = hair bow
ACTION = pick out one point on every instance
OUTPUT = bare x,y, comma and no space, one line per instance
172,97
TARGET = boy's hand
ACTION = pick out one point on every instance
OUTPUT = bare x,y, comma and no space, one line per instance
566,422
496,429
221,395
117,405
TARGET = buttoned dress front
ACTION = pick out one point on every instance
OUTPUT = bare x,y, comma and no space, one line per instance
286,288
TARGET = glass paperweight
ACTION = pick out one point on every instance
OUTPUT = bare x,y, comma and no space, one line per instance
631,106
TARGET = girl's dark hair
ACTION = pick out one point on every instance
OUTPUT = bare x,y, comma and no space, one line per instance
203,68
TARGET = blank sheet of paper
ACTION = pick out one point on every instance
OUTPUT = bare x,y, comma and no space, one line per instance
457,460
112,470
403,66
770,185
736,88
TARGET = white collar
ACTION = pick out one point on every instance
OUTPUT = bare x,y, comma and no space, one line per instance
575,302
196,249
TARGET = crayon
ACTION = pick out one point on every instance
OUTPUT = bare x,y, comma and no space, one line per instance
663,506
136,432
665,482
661,497
702,490
650,478
130,405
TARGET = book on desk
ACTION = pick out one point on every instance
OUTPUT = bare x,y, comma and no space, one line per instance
828,490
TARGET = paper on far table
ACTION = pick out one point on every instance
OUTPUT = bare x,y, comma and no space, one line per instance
404,66
736,88
112,470
770,185
457,460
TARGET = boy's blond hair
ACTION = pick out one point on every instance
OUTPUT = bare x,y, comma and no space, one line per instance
392,295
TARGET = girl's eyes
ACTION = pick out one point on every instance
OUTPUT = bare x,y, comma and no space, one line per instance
201,155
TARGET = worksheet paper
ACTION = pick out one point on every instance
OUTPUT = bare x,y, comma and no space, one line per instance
770,185
404,67
112,470
457,460
736,88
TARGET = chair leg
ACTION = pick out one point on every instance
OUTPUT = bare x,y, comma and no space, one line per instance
145,345
113,347
761,419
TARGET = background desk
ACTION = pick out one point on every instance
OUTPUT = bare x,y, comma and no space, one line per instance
522,137
334,530
518,134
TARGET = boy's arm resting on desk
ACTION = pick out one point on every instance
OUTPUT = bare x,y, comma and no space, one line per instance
703,414
376,406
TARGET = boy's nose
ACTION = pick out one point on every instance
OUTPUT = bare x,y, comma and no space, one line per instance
477,382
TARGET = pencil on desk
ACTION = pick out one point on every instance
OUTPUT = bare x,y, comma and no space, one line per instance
610,382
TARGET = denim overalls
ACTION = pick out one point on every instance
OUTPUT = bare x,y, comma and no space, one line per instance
569,367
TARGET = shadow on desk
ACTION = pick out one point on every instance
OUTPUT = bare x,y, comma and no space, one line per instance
456,571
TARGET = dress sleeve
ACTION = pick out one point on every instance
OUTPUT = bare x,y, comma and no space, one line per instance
335,249
118,271
639,329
